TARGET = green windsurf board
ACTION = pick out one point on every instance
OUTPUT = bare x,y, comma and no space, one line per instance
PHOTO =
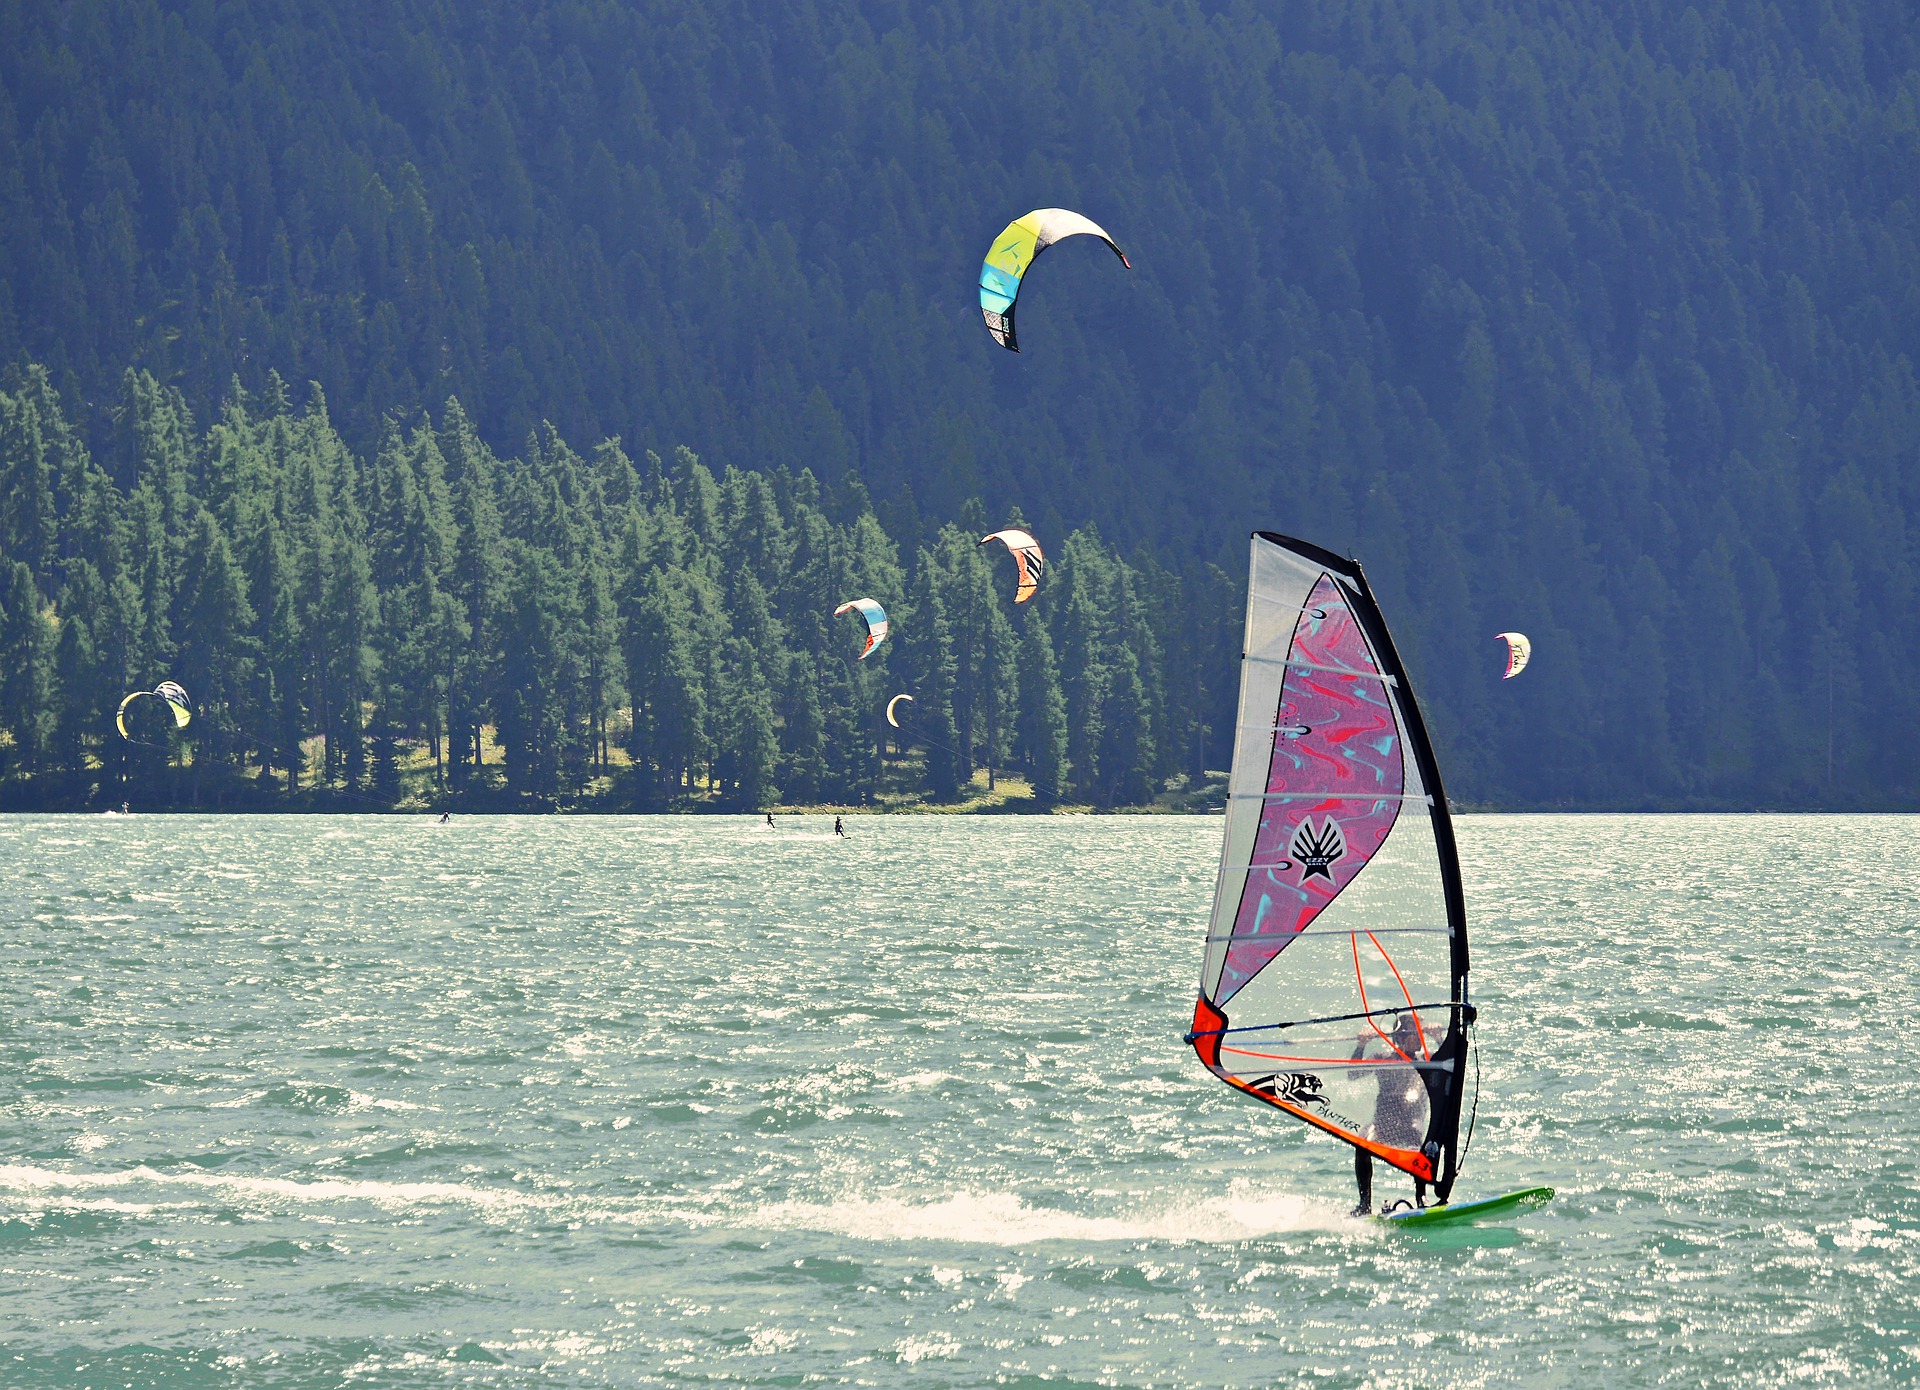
1456,1212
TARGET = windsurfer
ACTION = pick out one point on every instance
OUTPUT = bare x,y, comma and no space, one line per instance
1308,814
1400,1114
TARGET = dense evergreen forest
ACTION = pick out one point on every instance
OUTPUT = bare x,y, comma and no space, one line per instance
649,637
1598,322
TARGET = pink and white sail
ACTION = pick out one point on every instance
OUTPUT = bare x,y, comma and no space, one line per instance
1334,985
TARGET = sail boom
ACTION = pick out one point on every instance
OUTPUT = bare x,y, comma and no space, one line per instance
1310,1022
1416,1063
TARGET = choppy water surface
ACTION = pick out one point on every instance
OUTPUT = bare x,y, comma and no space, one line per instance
530,1102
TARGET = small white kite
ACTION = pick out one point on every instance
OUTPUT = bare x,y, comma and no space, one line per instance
1519,652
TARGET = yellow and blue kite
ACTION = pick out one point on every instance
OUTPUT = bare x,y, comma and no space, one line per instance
1013,253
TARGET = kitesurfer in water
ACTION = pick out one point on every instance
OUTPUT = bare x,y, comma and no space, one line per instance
445,816
838,828
1400,1114
770,824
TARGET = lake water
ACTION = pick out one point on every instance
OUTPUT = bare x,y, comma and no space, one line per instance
336,1101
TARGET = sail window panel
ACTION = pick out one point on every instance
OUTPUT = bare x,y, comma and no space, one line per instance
1405,1037
1317,978
1402,887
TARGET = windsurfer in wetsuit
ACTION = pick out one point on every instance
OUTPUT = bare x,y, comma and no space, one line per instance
1400,1114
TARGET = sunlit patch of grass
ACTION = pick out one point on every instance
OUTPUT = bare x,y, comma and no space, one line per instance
418,782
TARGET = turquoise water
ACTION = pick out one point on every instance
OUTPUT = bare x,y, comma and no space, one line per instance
304,1102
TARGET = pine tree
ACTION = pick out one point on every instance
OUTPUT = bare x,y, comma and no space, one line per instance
468,648
342,624
984,685
86,694
1041,728
928,657
803,772
73,671
1083,655
117,639
215,646
540,675
750,747
27,649
667,690
1125,755
29,512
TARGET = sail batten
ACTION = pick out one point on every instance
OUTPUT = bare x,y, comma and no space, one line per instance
1379,931
1311,666
1336,872
1321,795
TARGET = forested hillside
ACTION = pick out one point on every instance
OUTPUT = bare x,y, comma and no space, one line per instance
1597,322
549,629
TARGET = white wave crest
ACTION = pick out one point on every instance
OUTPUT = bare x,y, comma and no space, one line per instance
24,1179
1002,1218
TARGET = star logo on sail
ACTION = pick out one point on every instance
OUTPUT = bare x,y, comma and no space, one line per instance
1317,851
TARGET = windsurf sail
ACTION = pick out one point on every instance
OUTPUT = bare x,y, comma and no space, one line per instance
1335,982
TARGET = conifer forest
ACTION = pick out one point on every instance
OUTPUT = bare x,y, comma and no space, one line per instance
487,405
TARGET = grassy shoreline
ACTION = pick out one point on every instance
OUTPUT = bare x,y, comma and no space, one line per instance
417,787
